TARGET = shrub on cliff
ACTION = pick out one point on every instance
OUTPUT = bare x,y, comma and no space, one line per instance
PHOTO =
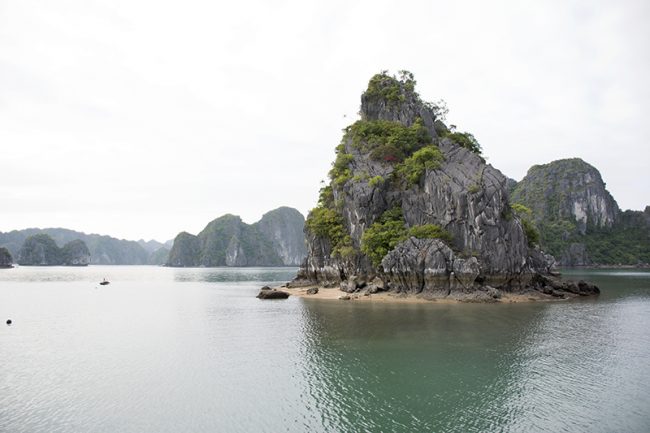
328,223
390,88
526,217
413,167
430,231
388,141
340,172
382,236
466,140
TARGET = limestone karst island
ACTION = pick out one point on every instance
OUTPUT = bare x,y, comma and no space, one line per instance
413,208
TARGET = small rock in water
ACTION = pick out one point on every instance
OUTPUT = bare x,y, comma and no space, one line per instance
344,298
9,322
272,294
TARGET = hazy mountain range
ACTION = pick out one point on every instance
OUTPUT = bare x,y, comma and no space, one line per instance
104,250
276,240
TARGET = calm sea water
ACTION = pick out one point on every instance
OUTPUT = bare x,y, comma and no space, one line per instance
193,350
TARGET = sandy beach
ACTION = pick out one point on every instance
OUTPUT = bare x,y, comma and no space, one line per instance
336,294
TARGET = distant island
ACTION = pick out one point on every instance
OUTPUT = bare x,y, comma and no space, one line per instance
277,239
104,250
578,220
6,261
41,250
413,208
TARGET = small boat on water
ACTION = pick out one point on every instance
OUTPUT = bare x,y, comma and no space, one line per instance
105,282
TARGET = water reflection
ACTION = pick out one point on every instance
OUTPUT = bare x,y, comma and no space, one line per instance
412,367
145,273
220,275
560,367
170,350
589,357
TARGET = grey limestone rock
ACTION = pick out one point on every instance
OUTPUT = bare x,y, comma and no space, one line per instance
272,294
557,287
429,265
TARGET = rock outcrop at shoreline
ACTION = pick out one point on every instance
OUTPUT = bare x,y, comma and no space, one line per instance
268,293
412,207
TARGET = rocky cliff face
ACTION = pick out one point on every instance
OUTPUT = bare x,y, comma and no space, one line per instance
42,250
284,227
578,219
567,189
227,241
6,261
400,159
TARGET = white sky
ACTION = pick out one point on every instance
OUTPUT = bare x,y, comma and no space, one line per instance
140,119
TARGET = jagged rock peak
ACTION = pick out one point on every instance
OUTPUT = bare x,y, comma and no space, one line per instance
567,189
393,98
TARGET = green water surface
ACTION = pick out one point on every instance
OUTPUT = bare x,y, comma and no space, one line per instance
193,350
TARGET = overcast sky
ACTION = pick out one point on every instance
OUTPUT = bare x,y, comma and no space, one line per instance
140,119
